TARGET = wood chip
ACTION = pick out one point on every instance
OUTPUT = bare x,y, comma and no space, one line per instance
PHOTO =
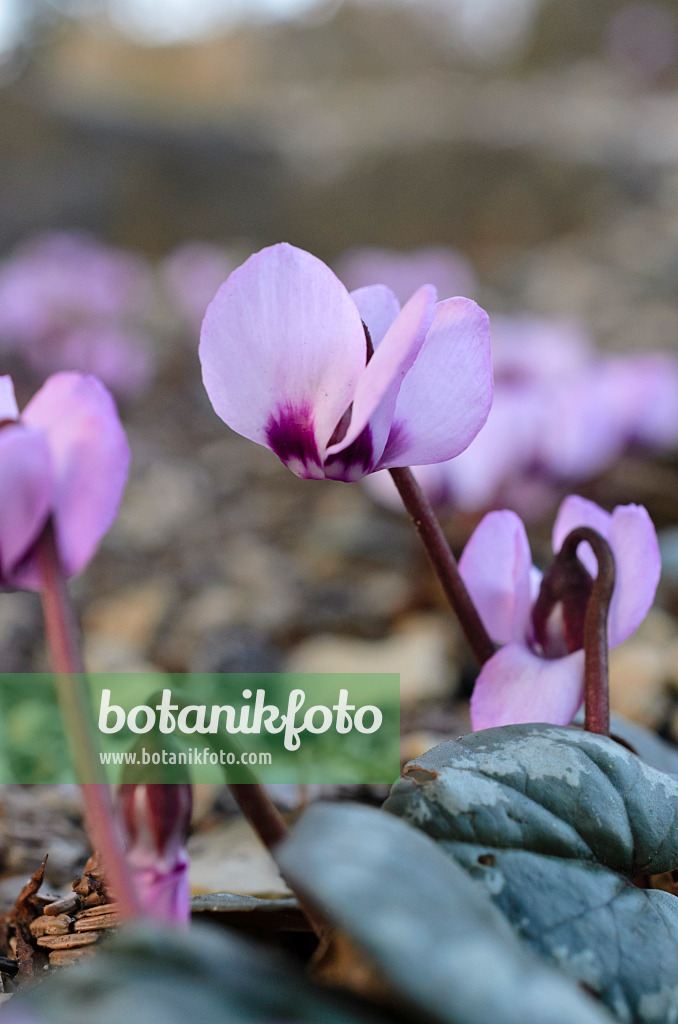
68,905
69,941
92,924
109,908
62,957
51,925
95,899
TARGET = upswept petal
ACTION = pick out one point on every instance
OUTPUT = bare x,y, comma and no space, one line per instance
26,489
515,686
378,308
9,410
282,348
90,459
631,534
634,543
446,396
382,378
496,567
576,511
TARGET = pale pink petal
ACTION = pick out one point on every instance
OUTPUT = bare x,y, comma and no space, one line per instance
90,459
26,490
446,396
576,511
536,349
9,410
282,350
495,566
586,423
631,534
378,387
503,450
378,308
654,378
515,686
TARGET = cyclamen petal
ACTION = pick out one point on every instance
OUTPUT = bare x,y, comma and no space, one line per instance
284,358
90,460
631,534
157,818
27,496
378,308
450,383
383,376
516,686
524,681
65,457
495,566
9,410
282,348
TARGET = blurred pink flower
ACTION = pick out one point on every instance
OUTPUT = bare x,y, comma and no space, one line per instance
190,276
66,457
560,414
284,360
447,270
68,302
529,349
537,676
157,819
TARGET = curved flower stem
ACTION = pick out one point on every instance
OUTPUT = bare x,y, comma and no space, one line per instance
62,641
268,823
260,811
425,520
596,671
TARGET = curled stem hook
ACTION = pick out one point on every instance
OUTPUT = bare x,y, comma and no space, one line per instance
596,670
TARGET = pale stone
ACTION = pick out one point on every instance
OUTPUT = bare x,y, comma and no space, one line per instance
132,616
638,675
231,858
418,652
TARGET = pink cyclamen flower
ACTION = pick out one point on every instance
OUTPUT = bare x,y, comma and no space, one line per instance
66,457
157,819
190,275
531,680
285,364
69,302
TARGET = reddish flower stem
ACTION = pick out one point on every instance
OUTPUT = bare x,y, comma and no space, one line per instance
268,823
63,644
425,520
260,811
596,669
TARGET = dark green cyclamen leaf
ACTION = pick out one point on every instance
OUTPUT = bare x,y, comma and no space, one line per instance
427,928
167,976
653,750
556,822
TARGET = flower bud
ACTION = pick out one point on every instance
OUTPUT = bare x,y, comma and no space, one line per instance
157,819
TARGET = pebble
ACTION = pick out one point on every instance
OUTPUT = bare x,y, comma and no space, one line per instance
419,651
231,858
638,676
133,615
239,648
163,501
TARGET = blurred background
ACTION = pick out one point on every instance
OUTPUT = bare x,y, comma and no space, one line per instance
521,152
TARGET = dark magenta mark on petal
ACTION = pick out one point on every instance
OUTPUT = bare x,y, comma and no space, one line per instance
291,436
355,461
